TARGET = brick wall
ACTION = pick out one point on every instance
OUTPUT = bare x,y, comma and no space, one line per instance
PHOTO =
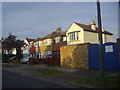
74,56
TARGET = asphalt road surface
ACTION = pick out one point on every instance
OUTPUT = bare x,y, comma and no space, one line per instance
13,80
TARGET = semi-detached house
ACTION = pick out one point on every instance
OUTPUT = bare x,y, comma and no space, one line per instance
69,46
79,37
81,33
49,45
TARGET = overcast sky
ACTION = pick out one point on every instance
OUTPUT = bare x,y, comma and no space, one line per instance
37,19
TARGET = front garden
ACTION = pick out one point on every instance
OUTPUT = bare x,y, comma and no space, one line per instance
110,82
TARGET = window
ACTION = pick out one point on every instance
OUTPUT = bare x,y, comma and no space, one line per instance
40,43
77,35
64,38
35,44
74,36
39,55
47,53
32,55
57,39
47,42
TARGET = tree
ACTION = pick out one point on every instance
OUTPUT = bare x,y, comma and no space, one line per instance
18,46
9,43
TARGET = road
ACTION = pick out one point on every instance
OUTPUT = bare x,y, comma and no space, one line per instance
13,80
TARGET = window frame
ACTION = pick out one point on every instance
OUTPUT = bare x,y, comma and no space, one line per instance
40,43
73,36
57,39
47,42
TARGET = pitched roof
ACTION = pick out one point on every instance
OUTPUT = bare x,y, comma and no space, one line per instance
59,34
89,29
52,35
86,27
49,35
29,40
58,45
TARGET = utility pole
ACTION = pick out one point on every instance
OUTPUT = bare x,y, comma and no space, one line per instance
101,54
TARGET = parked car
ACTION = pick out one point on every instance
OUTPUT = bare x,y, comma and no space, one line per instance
12,58
24,60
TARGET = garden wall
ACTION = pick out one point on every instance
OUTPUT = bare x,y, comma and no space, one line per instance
74,56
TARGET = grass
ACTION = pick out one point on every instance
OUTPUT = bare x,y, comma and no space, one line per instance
47,72
110,82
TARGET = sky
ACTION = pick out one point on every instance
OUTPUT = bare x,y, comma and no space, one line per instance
37,19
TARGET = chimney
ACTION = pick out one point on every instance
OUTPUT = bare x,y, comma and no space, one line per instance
103,29
58,30
93,25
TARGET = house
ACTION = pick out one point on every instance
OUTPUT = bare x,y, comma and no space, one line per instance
25,49
80,33
79,37
50,44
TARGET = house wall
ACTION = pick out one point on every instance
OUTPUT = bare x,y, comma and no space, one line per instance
74,28
77,56
44,48
91,37
108,38
26,49
85,36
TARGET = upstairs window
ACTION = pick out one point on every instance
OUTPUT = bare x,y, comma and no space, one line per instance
74,36
40,43
57,39
64,38
47,42
36,44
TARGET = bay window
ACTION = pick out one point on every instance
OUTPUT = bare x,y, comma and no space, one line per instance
74,36
57,39
47,42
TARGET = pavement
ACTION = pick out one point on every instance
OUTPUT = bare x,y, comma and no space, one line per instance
28,70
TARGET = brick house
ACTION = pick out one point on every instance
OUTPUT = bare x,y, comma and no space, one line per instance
49,45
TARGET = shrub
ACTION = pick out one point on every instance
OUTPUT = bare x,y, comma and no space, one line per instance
4,58
42,61
53,62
